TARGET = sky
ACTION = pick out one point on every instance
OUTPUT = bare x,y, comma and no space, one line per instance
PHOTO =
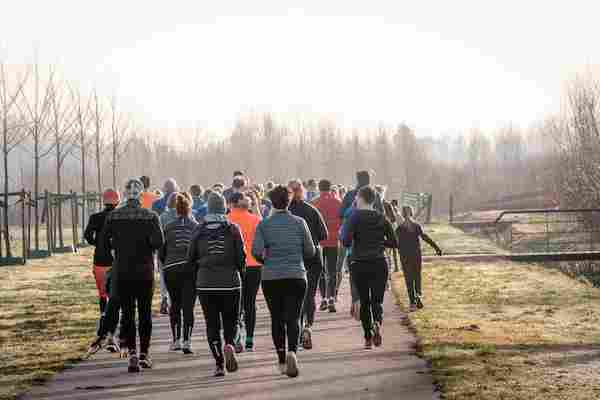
440,66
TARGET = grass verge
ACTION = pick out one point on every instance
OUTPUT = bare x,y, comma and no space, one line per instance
502,330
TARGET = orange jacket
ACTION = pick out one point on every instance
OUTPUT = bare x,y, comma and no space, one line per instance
247,223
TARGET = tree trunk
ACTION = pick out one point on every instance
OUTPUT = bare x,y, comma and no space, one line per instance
83,186
36,188
59,192
5,205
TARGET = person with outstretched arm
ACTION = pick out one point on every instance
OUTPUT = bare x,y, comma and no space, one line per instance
409,234
369,233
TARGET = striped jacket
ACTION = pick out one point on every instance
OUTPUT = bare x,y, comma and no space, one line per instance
178,235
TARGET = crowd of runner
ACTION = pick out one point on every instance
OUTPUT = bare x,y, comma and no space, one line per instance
221,245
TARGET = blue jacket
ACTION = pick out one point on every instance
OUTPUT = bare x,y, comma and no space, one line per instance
160,205
199,208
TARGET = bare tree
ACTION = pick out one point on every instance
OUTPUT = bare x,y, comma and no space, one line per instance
37,105
62,121
120,138
13,133
97,118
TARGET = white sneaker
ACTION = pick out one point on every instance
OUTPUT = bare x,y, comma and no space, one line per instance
175,346
187,347
291,365
282,368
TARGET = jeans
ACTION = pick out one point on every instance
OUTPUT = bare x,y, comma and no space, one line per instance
284,298
370,278
217,307
182,292
249,291
136,294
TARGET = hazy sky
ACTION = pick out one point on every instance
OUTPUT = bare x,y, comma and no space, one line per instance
438,65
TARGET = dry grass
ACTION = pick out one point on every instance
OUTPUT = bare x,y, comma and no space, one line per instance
48,315
455,241
503,330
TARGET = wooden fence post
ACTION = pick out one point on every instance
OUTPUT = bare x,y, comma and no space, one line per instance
24,244
74,219
451,210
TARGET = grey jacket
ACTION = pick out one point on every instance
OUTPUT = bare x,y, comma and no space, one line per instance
283,241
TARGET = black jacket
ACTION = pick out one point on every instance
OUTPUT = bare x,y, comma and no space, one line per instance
349,198
314,220
134,233
369,233
178,235
217,255
92,233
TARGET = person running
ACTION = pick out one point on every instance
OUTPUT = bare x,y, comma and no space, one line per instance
178,277
102,262
318,230
311,190
368,232
160,206
169,215
134,234
282,243
409,233
147,197
240,215
199,208
217,255
329,206
237,175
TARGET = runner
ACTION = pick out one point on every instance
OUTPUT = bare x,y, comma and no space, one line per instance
282,243
199,208
314,265
217,254
169,215
179,278
238,186
409,234
369,233
102,262
240,215
147,197
135,235
160,206
311,190
329,206
231,190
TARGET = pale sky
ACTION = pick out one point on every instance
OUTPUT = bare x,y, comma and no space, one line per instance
440,66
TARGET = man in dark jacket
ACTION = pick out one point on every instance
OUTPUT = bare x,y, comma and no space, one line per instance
314,266
134,234
363,178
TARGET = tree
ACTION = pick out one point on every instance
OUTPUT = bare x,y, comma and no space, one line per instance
120,137
82,120
37,104
13,133
97,121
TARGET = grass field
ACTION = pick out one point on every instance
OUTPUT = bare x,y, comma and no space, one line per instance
502,330
454,241
48,315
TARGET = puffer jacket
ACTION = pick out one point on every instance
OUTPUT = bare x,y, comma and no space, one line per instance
217,254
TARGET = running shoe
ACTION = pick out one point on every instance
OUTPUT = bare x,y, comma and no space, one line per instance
282,368
377,338
239,347
291,362
95,347
145,361
164,307
231,363
307,339
419,303
134,363
175,346
323,305
331,306
111,345
124,353
249,344
219,371
187,347
368,343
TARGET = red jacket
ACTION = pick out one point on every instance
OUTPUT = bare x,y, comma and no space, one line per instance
329,206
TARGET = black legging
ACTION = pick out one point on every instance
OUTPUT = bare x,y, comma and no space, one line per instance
223,306
130,294
370,278
284,298
249,291
313,275
411,266
182,292
330,256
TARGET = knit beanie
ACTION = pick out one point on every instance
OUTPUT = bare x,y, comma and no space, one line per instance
133,189
216,204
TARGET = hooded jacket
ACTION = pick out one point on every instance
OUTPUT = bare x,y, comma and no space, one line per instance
369,233
217,254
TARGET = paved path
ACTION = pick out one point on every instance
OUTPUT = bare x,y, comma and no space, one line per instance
337,368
